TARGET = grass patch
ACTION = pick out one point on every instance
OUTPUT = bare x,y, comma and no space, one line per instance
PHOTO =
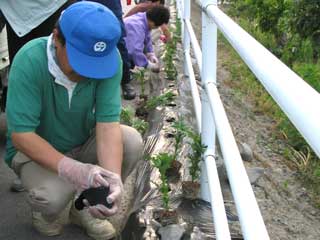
244,83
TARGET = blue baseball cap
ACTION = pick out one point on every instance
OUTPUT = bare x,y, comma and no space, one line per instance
92,32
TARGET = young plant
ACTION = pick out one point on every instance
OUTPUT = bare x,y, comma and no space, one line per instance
140,125
162,162
181,131
195,157
139,75
128,117
161,100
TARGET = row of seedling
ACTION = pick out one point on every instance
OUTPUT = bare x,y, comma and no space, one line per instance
168,165
170,52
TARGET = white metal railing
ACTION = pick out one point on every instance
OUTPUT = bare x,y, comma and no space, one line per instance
296,98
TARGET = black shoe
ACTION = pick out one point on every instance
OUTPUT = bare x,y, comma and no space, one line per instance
128,91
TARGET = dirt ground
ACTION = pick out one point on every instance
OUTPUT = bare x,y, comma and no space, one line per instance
284,203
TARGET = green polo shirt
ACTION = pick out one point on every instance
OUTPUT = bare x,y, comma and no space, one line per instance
36,103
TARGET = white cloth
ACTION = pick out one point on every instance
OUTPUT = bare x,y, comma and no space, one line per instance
25,15
54,69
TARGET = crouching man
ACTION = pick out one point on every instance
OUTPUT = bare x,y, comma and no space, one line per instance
138,40
63,109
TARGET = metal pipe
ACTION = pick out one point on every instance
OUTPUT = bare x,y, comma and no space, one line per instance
208,134
251,221
195,44
209,62
186,38
217,204
298,100
194,90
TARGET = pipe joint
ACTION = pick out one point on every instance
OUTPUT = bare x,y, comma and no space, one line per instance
209,153
205,7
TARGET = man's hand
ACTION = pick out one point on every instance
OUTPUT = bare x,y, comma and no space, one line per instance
81,175
154,67
152,57
137,69
115,193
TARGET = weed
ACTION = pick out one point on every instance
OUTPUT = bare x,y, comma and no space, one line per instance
301,159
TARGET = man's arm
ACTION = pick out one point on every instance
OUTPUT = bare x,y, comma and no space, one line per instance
109,151
148,43
135,43
109,146
81,175
37,149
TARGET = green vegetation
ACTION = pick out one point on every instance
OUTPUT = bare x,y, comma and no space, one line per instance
162,162
290,30
195,157
139,76
170,51
195,143
181,132
128,117
161,100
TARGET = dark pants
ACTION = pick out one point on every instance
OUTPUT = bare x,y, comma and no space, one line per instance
15,42
116,8
44,29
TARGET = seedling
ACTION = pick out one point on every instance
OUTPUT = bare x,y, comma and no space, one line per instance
162,162
128,117
140,125
195,157
161,100
127,114
181,131
139,75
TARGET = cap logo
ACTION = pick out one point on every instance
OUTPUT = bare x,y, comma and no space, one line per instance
100,46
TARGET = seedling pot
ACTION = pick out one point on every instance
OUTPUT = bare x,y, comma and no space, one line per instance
165,216
174,170
190,190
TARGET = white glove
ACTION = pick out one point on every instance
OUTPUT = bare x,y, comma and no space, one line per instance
115,193
84,176
81,175
137,69
152,57
154,67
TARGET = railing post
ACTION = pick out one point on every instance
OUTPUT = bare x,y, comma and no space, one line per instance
210,185
209,59
186,37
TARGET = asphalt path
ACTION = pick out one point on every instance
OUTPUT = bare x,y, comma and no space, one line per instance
15,214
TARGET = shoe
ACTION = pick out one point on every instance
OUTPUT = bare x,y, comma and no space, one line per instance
96,228
17,186
128,91
51,228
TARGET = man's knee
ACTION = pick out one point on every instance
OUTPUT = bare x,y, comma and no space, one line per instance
47,202
132,149
132,142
